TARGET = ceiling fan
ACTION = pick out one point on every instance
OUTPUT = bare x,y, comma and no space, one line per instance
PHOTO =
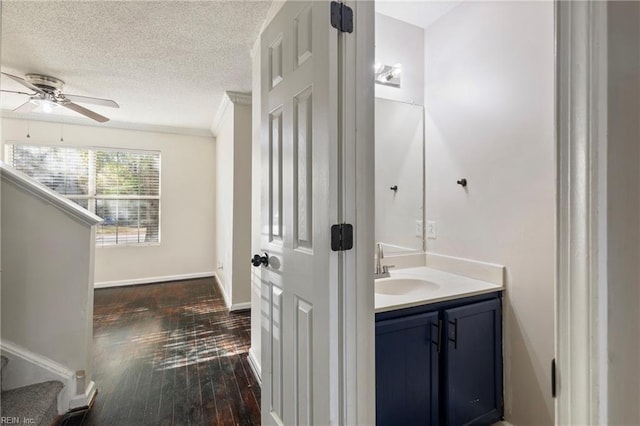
48,93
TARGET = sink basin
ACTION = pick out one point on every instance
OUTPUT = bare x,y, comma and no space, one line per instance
403,286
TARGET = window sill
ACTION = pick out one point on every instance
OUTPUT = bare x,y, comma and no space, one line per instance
109,246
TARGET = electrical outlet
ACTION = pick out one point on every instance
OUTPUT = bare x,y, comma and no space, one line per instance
431,229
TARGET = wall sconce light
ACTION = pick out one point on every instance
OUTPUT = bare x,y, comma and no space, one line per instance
388,75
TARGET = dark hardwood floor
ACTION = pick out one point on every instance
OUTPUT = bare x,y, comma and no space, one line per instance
171,354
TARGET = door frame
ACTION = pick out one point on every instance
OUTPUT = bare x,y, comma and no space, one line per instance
581,156
356,53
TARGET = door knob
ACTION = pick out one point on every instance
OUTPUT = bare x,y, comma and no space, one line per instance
258,260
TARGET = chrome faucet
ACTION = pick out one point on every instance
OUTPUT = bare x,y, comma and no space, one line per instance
382,271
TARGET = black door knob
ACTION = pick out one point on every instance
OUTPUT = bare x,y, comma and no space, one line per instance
258,260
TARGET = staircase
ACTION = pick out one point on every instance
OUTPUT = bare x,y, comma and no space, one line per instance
48,260
34,404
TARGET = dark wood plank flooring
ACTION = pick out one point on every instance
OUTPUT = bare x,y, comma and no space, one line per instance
171,354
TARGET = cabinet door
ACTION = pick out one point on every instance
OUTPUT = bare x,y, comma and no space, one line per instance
473,364
407,371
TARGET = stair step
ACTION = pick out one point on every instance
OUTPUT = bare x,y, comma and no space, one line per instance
38,403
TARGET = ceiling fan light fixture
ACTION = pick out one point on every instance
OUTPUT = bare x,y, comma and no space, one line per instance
46,105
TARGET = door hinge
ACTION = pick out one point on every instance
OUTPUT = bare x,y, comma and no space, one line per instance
342,237
341,17
553,378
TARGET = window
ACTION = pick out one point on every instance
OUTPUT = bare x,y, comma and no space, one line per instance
120,186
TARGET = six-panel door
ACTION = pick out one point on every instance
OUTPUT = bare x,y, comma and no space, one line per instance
300,339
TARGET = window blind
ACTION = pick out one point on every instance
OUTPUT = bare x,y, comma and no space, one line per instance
120,186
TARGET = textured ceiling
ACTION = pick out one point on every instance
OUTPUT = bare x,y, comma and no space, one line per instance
419,13
166,63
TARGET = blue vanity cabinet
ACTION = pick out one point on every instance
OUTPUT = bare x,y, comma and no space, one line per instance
407,370
472,379
440,364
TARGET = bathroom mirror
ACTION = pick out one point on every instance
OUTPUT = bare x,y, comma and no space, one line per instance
399,174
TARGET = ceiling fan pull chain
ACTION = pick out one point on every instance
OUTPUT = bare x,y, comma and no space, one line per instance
28,128
62,133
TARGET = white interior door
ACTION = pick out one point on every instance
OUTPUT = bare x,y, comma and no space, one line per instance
299,118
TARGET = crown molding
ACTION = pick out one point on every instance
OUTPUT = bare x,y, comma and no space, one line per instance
239,98
229,98
49,118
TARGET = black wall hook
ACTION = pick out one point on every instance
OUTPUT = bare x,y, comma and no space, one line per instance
462,182
394,188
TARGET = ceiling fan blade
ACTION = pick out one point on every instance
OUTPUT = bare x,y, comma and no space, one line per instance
24,82
86,112
26,107
19,93
94,101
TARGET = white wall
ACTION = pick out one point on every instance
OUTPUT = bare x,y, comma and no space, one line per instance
47,289
489,93
255,352
623,188
224,203
398,42
242,183
187,205
233,200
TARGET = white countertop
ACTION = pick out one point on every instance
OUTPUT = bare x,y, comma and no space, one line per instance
449,286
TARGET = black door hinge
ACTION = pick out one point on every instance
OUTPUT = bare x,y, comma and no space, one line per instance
553,378
341,17
341,237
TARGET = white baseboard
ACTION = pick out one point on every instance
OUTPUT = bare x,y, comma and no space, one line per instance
150,280
27,368
254,362
240,306
231,306
225,296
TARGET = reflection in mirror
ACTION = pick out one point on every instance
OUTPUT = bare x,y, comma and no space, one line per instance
399,174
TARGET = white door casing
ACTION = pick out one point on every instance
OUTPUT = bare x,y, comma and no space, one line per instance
581,284
299,96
